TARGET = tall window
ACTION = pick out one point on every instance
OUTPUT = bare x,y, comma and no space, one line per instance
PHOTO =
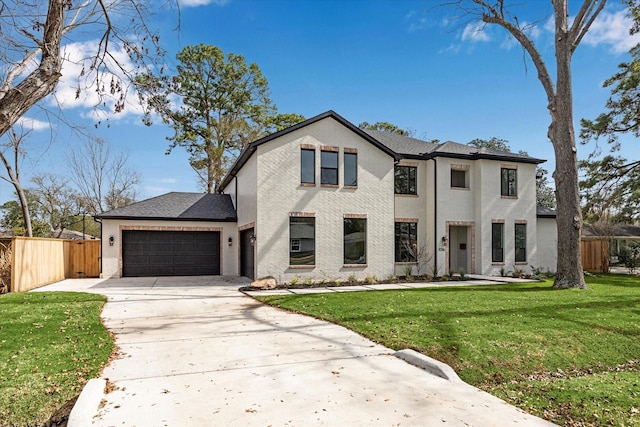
406,241
329,167
497,242
351,169
405,179
355,240
508,182
302,236
521,242
308,166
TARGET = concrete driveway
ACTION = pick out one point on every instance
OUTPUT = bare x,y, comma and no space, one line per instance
196,352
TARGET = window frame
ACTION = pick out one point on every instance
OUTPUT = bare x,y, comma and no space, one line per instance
347,168
464,178
402,255
520,255
302,166
324,168
411,178
497,242
297,260
508,176
362,259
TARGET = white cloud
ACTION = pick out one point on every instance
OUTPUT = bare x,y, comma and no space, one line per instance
196,3
475,32
612,29
77,86
32,124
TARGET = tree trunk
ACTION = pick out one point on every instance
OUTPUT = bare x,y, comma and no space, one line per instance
41,81
569,272
28,231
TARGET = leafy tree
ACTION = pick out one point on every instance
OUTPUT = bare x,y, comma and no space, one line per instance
57,202
282,121
610,190
103,177
223,104
13,220
567,36
386,127
545,195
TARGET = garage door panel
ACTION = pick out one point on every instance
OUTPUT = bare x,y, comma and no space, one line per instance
170,253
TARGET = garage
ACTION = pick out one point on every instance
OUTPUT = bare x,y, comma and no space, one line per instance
170,253
174,234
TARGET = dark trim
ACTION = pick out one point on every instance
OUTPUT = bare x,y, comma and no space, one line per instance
481,156
149,218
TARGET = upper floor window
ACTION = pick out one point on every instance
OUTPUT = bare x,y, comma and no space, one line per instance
405,179
355,240
497,242
406,235
521,242
459,178
308,166
329,167
350,169
508,182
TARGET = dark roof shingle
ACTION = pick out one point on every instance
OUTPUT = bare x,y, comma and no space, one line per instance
178,206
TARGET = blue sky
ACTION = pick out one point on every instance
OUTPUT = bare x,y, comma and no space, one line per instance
401,61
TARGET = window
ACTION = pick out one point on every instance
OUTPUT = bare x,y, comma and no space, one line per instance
458,178
509,182
302,234
406,241
355,240
521,242
405,179
308,166
497,242
329,167
351,169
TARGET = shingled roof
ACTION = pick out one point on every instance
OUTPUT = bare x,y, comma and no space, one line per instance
180,207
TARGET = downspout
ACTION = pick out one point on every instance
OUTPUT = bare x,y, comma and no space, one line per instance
435,214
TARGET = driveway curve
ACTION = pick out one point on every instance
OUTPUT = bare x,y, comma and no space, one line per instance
196,352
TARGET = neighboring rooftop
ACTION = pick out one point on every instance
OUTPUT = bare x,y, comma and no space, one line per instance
542,212
616,230
178,206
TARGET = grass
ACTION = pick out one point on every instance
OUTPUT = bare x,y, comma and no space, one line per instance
571,356
51,344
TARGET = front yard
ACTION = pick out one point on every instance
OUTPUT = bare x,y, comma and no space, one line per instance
571,357
51,344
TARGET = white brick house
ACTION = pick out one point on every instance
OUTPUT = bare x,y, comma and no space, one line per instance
325,200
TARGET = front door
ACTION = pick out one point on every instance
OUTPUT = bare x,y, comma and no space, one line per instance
247,253
459,249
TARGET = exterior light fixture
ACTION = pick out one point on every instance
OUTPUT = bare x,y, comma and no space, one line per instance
252,239
111,240
230,240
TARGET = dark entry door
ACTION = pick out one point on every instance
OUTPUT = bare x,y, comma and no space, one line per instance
170,253
247,254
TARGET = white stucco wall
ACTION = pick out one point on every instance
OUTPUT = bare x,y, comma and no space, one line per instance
547,244
280,193
112,255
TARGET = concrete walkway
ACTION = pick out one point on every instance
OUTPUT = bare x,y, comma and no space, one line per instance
196,352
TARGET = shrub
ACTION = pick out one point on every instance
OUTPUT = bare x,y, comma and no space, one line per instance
5,268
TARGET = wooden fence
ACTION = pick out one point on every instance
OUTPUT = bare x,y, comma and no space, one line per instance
37,262
595,255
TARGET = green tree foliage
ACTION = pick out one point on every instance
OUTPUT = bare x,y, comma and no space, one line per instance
386,127
12,219
610,190
545,195
216,104
282,121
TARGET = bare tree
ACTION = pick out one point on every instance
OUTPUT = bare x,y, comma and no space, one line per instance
568,35
102,177
31,54
58,202
14,145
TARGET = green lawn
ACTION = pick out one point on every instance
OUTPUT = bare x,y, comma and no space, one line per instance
570,356
51,344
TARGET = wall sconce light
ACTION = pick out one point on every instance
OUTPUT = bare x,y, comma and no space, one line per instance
230,240
111,240
444,240
252,239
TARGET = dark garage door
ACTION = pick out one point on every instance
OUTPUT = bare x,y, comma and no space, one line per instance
170,253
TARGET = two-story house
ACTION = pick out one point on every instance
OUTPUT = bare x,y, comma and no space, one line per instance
325,200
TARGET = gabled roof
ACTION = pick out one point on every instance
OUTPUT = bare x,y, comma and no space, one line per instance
178,206
396,146
542,212
617,230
